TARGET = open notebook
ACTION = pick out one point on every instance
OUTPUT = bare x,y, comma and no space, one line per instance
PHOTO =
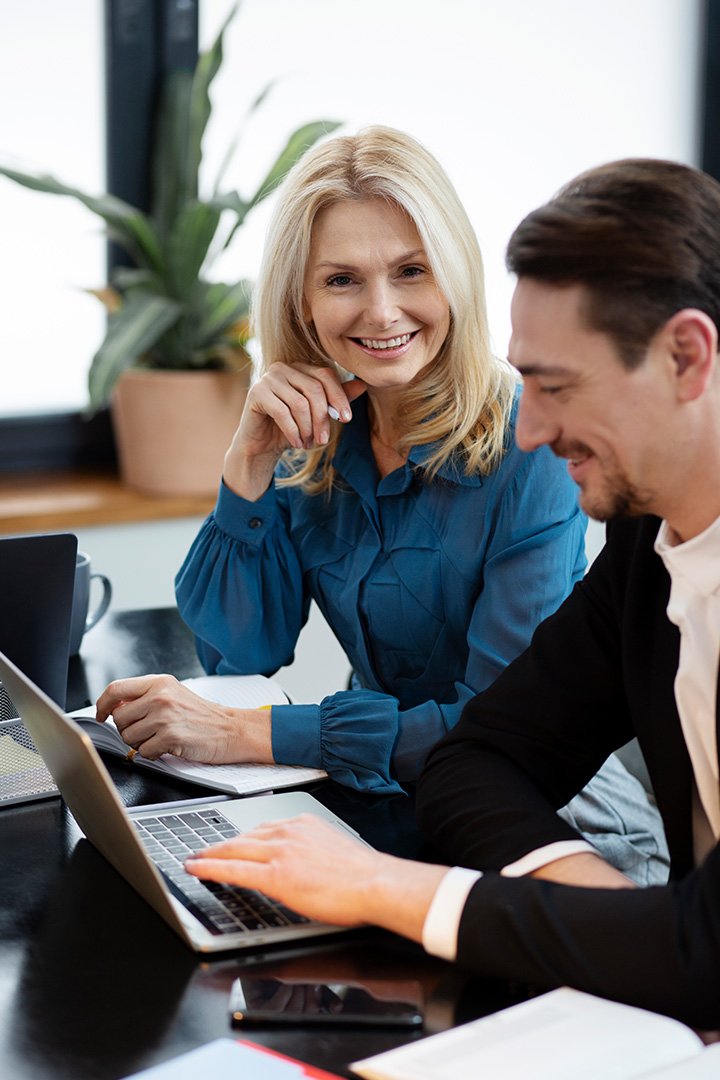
241,691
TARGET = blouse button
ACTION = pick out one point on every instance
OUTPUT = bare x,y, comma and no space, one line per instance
255,523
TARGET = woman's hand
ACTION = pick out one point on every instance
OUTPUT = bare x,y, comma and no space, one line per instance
322,872
155,714
287,407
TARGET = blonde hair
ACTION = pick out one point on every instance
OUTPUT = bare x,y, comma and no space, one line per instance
461,402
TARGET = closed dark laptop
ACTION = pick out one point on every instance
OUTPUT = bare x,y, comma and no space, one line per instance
37,578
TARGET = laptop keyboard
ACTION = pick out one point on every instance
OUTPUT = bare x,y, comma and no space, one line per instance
222,909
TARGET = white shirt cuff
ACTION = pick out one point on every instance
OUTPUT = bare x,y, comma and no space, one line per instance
442,922
544,855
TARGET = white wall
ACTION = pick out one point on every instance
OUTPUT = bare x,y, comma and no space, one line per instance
594,539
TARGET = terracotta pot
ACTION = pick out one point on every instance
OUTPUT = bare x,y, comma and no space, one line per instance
172,428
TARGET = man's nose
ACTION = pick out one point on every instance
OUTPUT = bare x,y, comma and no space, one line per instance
534,426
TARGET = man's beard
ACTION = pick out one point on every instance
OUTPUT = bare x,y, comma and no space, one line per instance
618,496
619,499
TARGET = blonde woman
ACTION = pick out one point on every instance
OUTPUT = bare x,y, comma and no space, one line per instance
373,471
430,544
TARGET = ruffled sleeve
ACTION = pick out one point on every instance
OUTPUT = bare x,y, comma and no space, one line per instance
350,734
240,588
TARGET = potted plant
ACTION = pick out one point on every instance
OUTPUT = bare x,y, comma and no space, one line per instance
175,340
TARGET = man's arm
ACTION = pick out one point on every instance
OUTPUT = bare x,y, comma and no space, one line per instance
658,948
584,869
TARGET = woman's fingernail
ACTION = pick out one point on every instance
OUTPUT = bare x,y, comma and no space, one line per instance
333,413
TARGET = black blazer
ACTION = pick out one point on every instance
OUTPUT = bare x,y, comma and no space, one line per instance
598,672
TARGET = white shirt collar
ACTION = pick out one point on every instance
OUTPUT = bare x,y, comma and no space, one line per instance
696,560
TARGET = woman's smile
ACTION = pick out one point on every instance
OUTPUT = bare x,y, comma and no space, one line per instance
388,348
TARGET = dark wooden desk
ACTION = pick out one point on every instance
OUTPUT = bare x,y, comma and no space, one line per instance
94,985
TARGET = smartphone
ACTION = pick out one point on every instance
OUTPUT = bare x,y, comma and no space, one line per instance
272,1001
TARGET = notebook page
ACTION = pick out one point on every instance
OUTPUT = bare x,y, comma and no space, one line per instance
238,691
243,778
705,1066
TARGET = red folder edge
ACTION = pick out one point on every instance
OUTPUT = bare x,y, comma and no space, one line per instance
308,1070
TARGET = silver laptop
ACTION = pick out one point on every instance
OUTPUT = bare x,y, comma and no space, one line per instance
37,578
148,845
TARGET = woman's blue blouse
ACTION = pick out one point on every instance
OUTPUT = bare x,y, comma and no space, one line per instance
431,588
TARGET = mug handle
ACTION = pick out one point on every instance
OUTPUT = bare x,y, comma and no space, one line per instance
96,615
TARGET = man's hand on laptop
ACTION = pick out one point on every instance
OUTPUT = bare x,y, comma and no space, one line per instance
319,871
155,714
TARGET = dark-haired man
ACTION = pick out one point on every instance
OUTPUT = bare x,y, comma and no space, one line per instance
615,331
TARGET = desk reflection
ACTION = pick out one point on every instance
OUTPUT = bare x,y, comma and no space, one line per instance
101,977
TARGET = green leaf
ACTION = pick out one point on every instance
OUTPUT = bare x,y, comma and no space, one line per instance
182,117
133,330
128,226
175,350
173,182
230,201
188,245
206,69
232,148
261,97
219,307
125,278
296,146
200,107
300,141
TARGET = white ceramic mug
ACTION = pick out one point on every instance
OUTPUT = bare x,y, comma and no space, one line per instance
82,618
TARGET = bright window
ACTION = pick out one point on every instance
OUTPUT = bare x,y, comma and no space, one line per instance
51,86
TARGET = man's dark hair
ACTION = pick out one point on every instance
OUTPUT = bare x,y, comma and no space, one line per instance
642,236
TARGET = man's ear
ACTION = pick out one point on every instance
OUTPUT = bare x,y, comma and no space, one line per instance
692,342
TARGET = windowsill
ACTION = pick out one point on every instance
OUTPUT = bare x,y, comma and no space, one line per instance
51,502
